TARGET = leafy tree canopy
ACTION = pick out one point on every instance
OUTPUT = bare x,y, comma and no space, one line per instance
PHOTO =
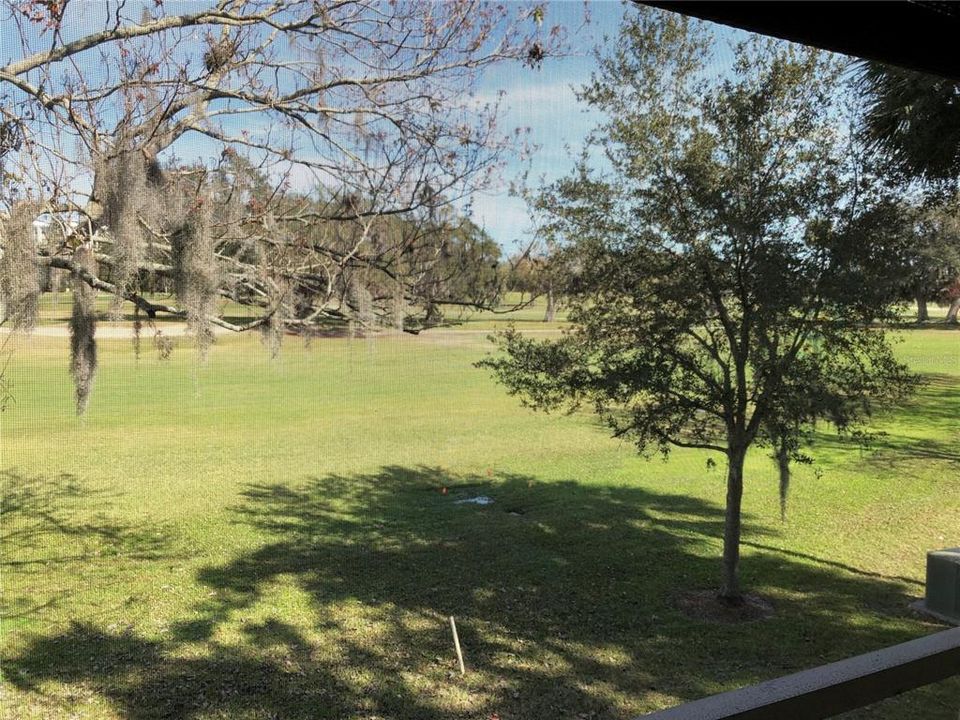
730,261
912,118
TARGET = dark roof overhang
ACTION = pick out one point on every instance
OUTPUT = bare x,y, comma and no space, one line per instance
918,35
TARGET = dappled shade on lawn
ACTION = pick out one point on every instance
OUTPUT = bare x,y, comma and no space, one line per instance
549,626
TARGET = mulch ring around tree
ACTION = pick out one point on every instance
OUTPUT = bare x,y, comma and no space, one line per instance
706,606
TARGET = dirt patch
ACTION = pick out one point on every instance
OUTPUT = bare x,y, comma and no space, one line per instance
706,606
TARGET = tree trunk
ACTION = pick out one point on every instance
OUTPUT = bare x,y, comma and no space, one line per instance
730,592
783,465
434,316
551,307
953,310
922,313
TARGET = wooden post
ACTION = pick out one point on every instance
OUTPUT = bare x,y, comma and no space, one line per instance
456,644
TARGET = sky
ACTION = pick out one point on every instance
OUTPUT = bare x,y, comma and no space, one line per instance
543,100
540,99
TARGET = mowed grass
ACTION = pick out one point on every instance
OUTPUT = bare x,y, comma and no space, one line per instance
56,307
251,538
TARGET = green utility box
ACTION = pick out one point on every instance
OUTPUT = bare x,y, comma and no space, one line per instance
943,583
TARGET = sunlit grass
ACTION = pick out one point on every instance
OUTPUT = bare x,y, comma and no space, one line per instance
251,538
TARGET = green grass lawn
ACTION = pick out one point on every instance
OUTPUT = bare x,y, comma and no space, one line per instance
55,309
271,539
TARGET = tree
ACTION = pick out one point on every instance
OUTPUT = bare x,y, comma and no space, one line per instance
539,272
253,150
463,272
931,263
913,119
730,263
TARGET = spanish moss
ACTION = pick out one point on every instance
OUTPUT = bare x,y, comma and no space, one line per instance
196,278
137,330
361,307
271,332
19,271
83,327
127,186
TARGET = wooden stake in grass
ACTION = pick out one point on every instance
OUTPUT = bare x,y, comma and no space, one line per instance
456,644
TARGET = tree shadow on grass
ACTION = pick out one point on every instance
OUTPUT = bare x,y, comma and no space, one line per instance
846,567
936,407
45,526
937,322
563,593
937,402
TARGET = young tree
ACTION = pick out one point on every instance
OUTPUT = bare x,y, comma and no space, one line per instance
728,260
253,149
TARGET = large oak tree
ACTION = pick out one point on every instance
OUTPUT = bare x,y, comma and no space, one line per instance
303,158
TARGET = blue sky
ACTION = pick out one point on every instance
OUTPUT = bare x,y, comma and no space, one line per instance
542,100
539,99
